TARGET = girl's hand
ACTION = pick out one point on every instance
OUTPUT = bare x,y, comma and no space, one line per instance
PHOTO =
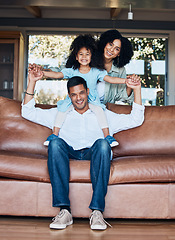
37,69
34,66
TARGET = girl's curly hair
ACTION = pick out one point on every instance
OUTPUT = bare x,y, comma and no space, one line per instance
126,51
79,42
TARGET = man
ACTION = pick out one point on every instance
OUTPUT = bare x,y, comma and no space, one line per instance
80,138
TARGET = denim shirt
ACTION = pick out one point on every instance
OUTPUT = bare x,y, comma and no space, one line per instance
117,92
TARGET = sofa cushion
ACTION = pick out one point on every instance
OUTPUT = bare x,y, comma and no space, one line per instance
123,169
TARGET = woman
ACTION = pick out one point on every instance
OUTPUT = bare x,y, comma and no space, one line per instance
116,51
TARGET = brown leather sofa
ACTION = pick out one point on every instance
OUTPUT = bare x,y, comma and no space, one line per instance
142,179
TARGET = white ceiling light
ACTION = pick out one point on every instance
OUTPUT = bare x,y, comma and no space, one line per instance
130,13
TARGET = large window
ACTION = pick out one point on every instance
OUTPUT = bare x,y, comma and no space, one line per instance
51,51
149,61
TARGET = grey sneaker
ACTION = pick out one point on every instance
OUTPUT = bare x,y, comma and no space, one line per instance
97,221
62,220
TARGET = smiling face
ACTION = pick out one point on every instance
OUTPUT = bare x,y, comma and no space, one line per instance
84,56
112,50
79,97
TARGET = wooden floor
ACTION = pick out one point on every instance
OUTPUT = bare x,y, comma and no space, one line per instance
25,228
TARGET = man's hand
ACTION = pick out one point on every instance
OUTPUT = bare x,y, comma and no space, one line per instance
34,76
36,70
135,84
134,78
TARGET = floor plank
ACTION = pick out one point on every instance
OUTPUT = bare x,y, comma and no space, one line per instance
25,228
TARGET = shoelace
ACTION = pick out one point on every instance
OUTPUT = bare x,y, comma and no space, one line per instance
99,217
61,213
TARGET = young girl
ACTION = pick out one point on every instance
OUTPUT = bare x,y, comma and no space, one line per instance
81,62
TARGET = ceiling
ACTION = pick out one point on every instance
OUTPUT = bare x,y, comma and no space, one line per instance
149,4
37,7
155,14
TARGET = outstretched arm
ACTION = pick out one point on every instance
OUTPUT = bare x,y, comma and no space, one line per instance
136,89
120,122
32,79
135,80
45,117
114,80
50,74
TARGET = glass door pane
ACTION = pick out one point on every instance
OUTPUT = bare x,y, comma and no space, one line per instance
6,69
149,61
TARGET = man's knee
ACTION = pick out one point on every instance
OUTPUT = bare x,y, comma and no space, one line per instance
103,145
56,143
56,150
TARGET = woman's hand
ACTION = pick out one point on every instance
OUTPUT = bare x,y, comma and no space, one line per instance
134,79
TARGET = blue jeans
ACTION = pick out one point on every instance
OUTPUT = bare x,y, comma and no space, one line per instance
59,153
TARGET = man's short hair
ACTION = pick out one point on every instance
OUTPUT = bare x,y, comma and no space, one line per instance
74,81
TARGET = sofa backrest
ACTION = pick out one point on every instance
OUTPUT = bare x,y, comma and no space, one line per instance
155,137
18,134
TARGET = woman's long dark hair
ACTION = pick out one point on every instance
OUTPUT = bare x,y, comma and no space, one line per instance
79,42
126,51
